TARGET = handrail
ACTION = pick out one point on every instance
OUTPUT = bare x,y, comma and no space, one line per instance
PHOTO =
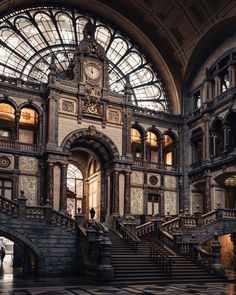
127,235
145,228
8,206
161,258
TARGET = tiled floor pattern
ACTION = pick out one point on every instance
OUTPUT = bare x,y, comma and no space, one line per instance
174,289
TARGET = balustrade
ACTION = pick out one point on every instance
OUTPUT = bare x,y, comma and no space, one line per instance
24,147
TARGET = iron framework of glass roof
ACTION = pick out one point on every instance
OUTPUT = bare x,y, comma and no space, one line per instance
29,37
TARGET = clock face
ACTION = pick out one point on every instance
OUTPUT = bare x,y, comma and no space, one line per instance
92,71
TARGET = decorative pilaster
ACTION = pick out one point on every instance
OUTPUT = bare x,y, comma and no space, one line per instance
52,140
50,168
17,125
231,70
63,187
206,145
116,191
217,85
127,193
207,196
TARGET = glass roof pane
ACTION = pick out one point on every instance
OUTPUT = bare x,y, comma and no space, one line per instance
30,37
117,50
65,28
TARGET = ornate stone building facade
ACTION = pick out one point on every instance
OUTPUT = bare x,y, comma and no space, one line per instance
88,119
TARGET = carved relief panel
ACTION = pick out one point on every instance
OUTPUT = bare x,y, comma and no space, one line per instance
113,116
136,196
170,203
28,184
170,182
68,106
28,164
137,178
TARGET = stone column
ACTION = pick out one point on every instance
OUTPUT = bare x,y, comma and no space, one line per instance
231,70
144,148
116,192
127,193
63,187
50,168
207,196
127,134
17,125
217,85
161,160
40,130
206,145
226,137
53,100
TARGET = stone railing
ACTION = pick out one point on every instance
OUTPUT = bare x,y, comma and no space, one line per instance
21,146
45,213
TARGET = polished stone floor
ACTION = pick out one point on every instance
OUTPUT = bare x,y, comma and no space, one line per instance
11,284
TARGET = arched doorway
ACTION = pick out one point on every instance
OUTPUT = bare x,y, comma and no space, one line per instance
94,155
19,261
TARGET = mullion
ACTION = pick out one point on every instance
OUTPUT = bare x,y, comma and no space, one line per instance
58,32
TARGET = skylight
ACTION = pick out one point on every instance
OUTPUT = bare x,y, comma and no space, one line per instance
29,37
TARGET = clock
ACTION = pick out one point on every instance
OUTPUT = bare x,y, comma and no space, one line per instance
92,71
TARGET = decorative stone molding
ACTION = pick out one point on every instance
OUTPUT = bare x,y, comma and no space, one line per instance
6,161
68,106
136,195
28,184
113,116
170,182
98,136
28,164
137,178
170,203
153,179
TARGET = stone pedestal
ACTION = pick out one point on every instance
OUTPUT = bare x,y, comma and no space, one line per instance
105,271
216,263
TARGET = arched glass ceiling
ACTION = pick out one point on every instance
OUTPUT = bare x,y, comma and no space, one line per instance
29,37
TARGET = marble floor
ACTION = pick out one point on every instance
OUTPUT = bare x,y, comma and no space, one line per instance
11,284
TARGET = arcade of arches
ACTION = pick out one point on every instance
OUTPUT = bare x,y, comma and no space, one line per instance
93,114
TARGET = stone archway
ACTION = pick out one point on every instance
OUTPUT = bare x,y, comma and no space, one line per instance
95,154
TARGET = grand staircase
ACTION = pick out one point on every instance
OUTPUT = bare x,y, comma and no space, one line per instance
132,267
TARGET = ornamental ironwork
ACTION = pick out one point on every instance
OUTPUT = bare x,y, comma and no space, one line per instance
30,37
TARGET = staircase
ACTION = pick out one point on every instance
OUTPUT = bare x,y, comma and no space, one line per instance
138,268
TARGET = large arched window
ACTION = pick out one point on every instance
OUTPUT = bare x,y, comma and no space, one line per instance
151,148
7,121
169,149
136,145
28,131
29,37
74,189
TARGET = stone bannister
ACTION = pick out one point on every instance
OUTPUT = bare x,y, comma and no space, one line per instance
59,243
185,233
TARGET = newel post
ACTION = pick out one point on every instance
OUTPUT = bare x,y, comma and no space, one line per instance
48,211
216,264
22,204
105,270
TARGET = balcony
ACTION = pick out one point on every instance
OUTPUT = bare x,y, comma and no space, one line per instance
19,146
154,166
